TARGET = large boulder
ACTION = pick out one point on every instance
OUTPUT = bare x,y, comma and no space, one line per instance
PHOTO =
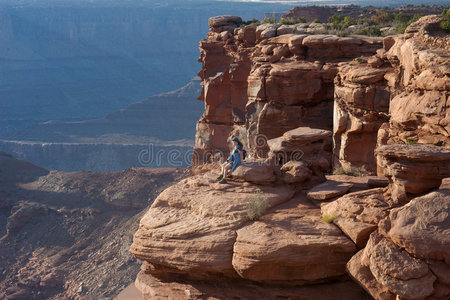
408,257
191,226
413,169
358,213
306,144
224,23
291,245
260,171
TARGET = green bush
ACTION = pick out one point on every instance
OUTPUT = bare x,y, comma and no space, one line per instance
269,20
402,18
370,31
302,20
335,19
256,207
445,23
317,21
352,171
401,28
410,141
348,21
251,21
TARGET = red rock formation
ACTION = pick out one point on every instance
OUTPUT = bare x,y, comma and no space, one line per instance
419,110
407,79
274,91
258,84
199,229
408,258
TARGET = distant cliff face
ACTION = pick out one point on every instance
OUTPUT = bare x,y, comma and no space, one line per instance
66,235
84,59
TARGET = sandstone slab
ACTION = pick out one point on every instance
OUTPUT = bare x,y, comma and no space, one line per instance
413,169
358,213
429,238
260,172
191,226
329,189
291,245
153,287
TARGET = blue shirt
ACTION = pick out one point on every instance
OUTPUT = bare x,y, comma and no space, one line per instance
235,157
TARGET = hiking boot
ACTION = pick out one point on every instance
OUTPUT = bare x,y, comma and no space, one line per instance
219,177
223,180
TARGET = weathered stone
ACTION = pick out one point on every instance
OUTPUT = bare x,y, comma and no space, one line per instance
413,169
192,225
255,171
329,189
291,245
361,274
429,238
358,214
295,172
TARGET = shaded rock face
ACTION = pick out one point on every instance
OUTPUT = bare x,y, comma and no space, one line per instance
67,235
272,90
259,82
398,96
361,104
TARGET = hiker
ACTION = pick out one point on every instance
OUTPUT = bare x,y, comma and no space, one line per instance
233,161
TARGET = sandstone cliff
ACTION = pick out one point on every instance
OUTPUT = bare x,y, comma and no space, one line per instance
313,104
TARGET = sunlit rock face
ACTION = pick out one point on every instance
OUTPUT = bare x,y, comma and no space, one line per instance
259,82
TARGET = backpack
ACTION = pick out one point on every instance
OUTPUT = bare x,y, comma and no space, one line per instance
244,154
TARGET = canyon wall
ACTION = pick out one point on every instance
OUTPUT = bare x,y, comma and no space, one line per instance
100,157
271,232
261,81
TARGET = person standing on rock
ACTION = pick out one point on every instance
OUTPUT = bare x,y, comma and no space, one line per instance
233,161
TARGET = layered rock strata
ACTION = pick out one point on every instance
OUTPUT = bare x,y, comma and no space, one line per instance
397,96
419,111
199,229
259,82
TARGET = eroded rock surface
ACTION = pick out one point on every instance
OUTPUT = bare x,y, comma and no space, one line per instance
408,256
199,229
261,81
413,169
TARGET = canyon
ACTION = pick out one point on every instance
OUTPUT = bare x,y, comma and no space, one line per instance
65,235
282,225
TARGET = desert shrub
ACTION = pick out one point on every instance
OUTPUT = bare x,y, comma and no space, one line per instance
256,207
302,20
445,23
410,141
382,17
288,21
352,171
335,19
404,21
269,20
348,21
317,21
248,22
360,59
402,18
328,218
370,31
